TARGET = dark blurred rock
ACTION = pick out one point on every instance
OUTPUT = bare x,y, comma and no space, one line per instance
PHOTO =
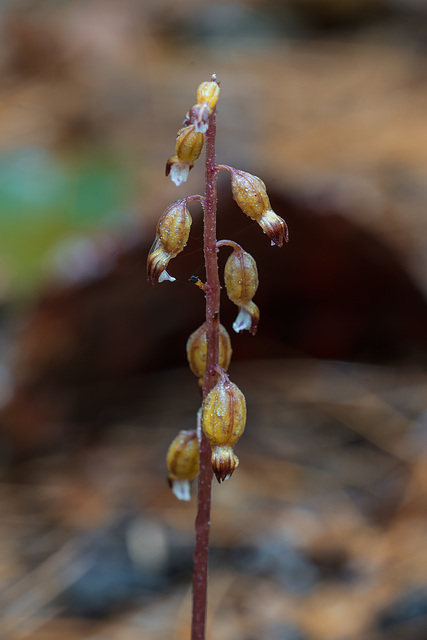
326,15
380,503
284,632
279,560
411,606
111,578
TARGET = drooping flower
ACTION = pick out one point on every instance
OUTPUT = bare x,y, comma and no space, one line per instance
250,194
172,234
188,147
197,351
241,282
223,422
182,461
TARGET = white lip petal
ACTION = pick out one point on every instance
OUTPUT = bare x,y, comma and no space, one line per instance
181,489
200,127
243,321
179,173
165,276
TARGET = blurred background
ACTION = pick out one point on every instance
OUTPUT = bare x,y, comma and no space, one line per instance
321,533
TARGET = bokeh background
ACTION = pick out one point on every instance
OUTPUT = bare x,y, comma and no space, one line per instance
321,533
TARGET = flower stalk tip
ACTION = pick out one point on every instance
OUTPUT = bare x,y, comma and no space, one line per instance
207,98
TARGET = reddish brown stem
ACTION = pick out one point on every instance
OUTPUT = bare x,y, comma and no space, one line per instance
212,292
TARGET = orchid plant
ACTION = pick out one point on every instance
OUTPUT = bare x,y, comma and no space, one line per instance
221,419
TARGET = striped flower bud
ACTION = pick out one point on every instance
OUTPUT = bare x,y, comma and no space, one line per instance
197,351
208,93
172,234
207,98
250,194
223,422
241,282
188,147
182,461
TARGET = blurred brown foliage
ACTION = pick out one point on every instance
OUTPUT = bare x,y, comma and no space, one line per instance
321,533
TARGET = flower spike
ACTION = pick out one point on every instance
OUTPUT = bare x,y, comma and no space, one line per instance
222,417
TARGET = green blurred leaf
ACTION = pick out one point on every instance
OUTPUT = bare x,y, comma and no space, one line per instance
44,199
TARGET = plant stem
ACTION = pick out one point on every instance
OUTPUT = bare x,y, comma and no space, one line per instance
212,292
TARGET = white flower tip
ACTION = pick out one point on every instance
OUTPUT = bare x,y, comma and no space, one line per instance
181,489
179,173
243,321
165,276
200,127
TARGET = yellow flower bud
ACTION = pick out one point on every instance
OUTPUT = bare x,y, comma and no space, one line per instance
223,422
182,461
188,147
174,226
172,234
250,194
241,282
208,93
189,144
197,351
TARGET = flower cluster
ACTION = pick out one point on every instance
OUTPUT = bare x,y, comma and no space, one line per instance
190,139
222,416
